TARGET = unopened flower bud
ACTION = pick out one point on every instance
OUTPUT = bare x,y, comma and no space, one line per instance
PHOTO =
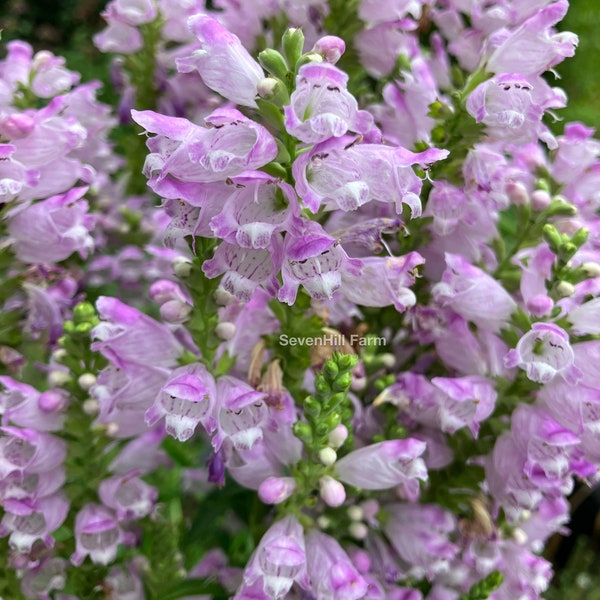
91,407
355,513
58,378
327,456
388,360
331,491
565,289
338,436
51,401
540,200
517,193
358,531
16,126
112,429
225,330
266,87
330,48
59,355
292,43
519,536
591,269
175,311
223,297
323,522
86,381
182,267
273,62
358,384
275,490
540,305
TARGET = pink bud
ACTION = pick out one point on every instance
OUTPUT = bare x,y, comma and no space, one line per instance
275,490
540,200
330,48
338,436
16,126
175,311
540,305
517,193
50,401
332,491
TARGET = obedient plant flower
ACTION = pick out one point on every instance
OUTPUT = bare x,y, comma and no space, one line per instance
241,414
258,207
505,104
39,581
278,561
230,144
27,451
245,268
332,574
27,522
97,535
186,399
321,107
385,465
128,496
222,61
383,281
473,294
545,352
419,533
345,175
51,230
275,490
126,335
533,47
316,261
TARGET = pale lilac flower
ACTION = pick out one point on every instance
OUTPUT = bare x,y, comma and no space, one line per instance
468,401
128,496
124,584
376,11
119,37
257,207
473,294
278,561
27,522
506,106
40,580
384,465
143,453
51,230
332,574
24,406
332,492
133,12
222,61
97,534
241,414
186,399
545,352
345,175
27,451
316,261
245,268
230,144
126,335
533,47
321,107
585,318
383,281
419,533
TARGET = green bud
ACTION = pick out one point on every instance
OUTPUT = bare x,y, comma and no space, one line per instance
83,328
273,90
580,237
559,207
312,407
403,63
398,432
331,370
335,400
303,432
68,327
542,184
84,312
342,383
273,62
322,429
321,385
438,134
308,58
292,43
347,362
567,250
552,237
332,421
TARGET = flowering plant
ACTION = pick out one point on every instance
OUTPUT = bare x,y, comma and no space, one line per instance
328,328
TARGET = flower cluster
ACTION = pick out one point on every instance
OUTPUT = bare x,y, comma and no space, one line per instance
329,329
